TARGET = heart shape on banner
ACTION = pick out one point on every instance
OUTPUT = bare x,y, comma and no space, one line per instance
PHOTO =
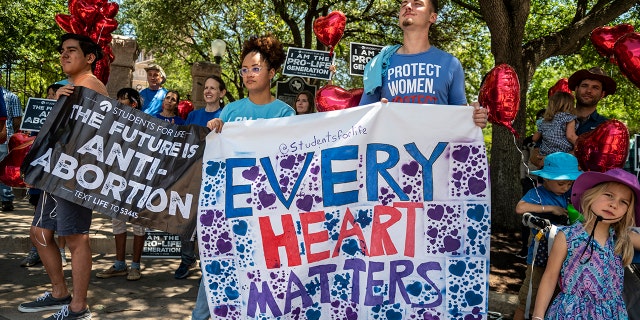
604,38
329,29
604,148
627,52
332,97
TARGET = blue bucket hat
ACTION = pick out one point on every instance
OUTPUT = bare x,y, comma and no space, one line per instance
559,166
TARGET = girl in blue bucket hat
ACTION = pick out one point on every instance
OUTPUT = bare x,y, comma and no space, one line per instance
588,258
548,201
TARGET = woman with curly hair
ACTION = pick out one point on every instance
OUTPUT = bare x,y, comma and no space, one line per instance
261,58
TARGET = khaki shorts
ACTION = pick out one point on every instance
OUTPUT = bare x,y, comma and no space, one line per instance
534,279
120,227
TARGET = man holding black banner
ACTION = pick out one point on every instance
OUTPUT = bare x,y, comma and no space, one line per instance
78,57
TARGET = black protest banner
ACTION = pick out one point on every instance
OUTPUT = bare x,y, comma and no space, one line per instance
36,113
119,161
308,63
360,54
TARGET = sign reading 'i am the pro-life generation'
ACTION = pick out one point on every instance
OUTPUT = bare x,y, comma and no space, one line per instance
308,63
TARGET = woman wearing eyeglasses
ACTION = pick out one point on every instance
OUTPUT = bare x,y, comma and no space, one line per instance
170,108
261,58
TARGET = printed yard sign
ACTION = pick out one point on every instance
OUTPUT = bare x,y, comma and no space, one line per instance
360,54
159,244
373,212
36,113
308,63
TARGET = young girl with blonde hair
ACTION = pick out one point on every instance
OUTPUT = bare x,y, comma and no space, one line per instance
558,126
588,258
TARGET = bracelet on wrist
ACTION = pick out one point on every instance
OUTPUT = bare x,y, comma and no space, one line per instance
537,318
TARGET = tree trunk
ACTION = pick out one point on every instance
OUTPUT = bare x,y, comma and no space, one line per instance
506,22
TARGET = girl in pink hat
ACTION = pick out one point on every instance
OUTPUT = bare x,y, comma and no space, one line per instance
587,259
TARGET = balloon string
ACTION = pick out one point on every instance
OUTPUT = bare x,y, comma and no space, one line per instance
524,161
100,35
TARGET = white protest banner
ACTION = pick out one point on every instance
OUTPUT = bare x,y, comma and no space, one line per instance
373,212
119,161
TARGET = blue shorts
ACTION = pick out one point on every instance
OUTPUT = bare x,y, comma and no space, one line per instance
64,217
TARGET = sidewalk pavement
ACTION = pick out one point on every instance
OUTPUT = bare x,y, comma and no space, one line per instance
156,296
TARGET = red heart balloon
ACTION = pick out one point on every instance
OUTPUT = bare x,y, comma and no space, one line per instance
19,146
64,21
86,12
104,27
604,38
18,140
330,29
561,86
331,97
604,148
77,26
500,94
72,6
184,107
627,53
103,66
110,9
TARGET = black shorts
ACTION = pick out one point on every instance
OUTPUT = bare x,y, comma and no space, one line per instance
64,217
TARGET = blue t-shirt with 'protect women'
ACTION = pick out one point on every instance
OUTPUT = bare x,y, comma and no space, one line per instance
244,109
430,77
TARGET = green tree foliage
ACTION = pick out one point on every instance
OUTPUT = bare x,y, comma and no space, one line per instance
194,24
28,41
